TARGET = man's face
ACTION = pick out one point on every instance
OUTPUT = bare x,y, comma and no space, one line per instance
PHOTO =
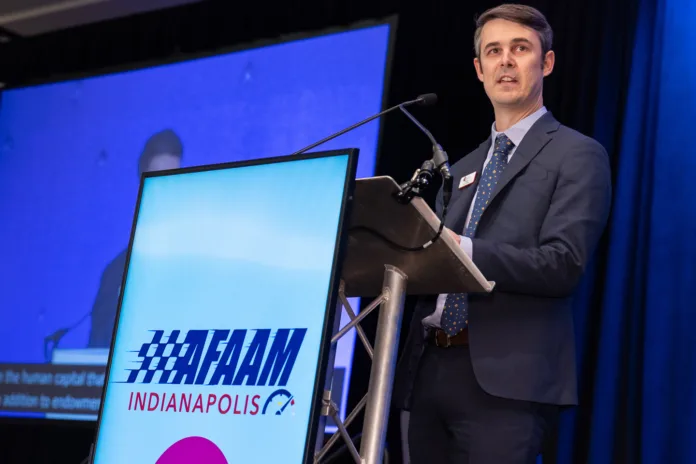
164,161
511,65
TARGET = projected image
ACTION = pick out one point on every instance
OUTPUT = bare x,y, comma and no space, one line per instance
71,155
162,151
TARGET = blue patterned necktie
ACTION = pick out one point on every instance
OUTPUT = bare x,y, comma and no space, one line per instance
455,314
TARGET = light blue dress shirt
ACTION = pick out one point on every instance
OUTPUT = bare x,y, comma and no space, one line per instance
515,133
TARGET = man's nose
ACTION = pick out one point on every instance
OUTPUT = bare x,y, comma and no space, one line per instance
507,60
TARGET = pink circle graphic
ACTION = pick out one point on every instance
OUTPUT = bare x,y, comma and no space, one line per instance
193,450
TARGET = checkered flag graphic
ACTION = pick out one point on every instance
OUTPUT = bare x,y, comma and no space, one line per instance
158,357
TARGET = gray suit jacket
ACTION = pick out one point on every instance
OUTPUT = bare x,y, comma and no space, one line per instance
543,222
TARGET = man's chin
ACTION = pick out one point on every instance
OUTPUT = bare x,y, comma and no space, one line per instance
507,100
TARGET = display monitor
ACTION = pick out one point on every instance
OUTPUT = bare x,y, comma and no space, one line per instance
224,326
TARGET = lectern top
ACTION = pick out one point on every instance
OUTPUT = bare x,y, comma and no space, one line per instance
441,268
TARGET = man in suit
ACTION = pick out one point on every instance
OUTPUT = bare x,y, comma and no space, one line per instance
162,151
484,375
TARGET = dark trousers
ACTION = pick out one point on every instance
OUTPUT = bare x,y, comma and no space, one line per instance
453,420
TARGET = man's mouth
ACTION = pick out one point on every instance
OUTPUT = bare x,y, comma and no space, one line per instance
507,80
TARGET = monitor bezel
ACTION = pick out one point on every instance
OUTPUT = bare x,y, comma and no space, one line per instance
332,294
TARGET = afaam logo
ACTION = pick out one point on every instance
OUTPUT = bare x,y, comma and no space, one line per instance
211,358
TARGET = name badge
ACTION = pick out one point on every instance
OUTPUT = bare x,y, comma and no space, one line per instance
467,180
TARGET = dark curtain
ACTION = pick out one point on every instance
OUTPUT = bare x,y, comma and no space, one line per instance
623,69
639,400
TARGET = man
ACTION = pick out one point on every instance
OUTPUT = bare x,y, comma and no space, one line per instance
484,375
162,151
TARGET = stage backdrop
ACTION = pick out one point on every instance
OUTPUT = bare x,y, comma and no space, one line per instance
70,158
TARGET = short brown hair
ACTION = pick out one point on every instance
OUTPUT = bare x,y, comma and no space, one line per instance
521,14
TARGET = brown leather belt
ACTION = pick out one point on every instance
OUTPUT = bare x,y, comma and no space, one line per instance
439,338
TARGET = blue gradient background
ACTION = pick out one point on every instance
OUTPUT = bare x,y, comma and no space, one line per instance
69,154
204,257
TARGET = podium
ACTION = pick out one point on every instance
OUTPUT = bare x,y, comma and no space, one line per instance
377,262
85,356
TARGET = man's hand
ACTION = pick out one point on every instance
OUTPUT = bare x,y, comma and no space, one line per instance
455,236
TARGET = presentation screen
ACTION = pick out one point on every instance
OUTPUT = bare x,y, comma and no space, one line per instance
222,319
71,157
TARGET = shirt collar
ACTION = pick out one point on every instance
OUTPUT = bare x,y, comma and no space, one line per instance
517,132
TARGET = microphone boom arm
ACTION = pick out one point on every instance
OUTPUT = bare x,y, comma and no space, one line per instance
422,177
417,123
423,99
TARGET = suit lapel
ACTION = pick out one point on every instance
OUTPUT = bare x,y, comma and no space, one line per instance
535,140
459,206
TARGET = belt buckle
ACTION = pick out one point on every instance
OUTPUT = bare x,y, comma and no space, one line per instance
437,341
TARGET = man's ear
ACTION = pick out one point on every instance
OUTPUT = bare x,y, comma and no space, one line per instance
549,62
479,70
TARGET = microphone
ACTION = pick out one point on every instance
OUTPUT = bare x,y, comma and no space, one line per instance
427,99
56,336
422,177
424,100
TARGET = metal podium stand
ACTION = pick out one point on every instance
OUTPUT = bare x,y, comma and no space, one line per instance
373,266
